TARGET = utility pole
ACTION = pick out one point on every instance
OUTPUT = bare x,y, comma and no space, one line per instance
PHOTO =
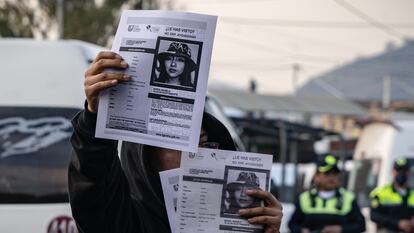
283,143
295,77
253,85
60,18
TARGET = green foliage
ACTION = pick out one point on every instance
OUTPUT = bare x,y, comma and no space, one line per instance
86,21
15,18
83,19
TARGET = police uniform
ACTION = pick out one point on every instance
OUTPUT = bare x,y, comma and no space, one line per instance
314,212
389,206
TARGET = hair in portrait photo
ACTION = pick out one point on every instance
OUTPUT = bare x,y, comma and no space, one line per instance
184,50
239,179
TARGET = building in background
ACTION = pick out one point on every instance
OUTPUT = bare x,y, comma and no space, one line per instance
319,116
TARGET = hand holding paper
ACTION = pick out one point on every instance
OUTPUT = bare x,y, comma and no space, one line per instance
269,215
97,79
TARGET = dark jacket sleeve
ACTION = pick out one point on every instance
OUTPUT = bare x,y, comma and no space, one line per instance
298,218
98,189
386,220
356,221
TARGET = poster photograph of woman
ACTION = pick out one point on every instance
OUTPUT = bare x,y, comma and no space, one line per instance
234,195
175,64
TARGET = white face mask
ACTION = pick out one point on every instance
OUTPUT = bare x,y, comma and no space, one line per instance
402,191
326,194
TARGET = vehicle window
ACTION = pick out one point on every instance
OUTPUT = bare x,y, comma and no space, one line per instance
34,154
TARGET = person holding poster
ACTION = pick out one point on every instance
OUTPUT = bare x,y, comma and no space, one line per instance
112,195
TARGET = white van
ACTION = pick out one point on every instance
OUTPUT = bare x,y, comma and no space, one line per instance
42,89
379,145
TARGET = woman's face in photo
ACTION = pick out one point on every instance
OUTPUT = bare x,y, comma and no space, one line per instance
174,65
242,199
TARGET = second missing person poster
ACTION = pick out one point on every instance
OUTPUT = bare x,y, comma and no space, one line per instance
212,189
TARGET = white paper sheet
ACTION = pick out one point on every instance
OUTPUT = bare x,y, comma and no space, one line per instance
160,106
212,185
169,183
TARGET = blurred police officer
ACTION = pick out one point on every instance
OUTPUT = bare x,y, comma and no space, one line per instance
392,206
327,208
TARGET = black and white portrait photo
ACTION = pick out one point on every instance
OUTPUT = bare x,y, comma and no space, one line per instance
234,191
175,64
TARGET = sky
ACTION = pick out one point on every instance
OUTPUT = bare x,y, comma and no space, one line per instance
264,39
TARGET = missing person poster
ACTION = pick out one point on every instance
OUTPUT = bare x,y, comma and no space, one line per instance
212,190
169,57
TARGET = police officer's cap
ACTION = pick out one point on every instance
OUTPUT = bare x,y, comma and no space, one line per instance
401,164
327,164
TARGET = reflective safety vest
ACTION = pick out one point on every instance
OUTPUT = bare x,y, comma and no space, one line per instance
388,196
340,204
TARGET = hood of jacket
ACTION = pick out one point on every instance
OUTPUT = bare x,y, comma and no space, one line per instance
145,184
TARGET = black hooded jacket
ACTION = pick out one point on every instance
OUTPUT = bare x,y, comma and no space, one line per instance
110,196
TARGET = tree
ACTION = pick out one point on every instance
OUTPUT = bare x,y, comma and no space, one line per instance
88,20
20,18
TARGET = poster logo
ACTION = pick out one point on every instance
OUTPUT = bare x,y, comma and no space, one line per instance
213,155
153,28
134,28
175,187
191,155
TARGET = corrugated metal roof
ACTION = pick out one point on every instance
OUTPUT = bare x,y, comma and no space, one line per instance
255,102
